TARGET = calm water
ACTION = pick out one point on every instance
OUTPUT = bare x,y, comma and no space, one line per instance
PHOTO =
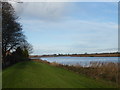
84,61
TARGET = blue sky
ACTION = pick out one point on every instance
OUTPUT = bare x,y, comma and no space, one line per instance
70,27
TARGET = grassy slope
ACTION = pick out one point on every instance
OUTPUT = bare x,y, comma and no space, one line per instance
38,75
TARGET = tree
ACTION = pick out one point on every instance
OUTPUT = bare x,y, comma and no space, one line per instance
15,48
25,53
12,34
16,56
19,51
27,46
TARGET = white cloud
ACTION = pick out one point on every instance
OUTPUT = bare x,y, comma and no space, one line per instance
74,36
80,35
40,50
72,25
42,10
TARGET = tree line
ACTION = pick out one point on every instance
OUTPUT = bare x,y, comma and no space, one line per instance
15,47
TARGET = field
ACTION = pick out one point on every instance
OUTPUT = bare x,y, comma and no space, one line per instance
31,74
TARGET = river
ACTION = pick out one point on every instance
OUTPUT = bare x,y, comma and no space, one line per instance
84,61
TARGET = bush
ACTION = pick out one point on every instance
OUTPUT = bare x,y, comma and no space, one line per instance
17,56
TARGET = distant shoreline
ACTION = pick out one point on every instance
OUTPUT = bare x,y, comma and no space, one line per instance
81,55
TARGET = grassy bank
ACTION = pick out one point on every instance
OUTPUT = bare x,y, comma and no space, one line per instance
32,74
98,70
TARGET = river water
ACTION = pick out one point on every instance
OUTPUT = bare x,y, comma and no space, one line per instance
84,61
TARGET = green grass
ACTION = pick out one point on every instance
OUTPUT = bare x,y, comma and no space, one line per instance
31,74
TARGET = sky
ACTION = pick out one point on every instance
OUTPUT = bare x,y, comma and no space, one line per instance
70,27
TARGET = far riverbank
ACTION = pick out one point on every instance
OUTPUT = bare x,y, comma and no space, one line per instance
81,55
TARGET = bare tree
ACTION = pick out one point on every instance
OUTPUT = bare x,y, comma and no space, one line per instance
12,34
27,46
